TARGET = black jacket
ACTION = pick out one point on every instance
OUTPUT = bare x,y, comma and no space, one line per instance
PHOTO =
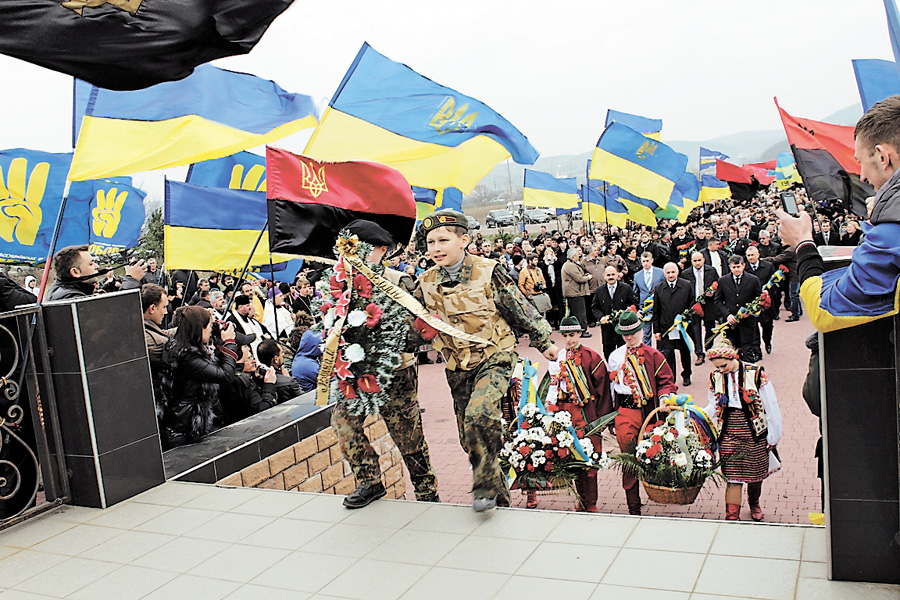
709,277
11,295
722,256
602,305
245,396
191,383
763,272
64,290
668,303
729,298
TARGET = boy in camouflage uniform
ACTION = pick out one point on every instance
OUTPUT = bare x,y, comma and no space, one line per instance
401,412
477,296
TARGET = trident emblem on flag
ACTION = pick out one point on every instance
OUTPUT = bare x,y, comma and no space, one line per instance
312,181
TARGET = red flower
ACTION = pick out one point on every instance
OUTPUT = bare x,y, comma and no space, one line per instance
765,300
530,467
339,273
374,314
548,466
655,438
698,309
525,425
362,285
653,450
342,367
524,450
715,285
341,308
563,452
552,408
347,389
553,439
368,384
337,287
425,330
325,307
784,268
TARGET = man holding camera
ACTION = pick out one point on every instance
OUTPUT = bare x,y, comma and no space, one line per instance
76,272
866,289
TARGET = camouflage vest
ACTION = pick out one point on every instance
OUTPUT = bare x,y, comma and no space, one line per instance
407,359
468,306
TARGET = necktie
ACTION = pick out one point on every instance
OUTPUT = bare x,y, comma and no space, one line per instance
737,282
648,278
698,278
612,291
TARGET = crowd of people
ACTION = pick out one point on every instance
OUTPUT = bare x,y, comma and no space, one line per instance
223,349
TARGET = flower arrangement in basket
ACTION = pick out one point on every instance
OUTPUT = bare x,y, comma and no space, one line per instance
544,451
674,459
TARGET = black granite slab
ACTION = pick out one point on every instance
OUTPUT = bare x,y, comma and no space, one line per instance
242,444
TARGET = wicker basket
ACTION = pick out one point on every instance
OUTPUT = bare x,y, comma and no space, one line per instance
666,495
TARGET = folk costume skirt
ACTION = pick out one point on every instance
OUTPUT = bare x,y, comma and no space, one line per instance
745,460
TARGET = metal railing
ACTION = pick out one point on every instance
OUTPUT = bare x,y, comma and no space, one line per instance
31,450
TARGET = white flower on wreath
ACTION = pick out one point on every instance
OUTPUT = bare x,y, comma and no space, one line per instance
563,418
659,430
529,410
328,321
669,437
703,458
603,461
356,318
680,459
565,439
587,446
354,353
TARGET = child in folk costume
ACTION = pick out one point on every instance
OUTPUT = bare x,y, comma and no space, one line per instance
744,402
641,380
579,384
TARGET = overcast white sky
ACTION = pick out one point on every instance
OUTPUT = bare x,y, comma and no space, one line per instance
707,68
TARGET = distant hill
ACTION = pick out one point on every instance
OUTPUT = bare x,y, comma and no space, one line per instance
743,147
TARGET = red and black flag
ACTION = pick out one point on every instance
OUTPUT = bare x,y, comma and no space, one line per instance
824,156
311,201
132,44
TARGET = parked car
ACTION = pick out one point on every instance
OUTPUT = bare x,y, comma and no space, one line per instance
499,218
536,215
473,223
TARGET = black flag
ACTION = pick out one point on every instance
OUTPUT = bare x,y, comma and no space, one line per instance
132,44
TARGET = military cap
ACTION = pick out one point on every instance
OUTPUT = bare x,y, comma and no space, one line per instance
370,233
442,218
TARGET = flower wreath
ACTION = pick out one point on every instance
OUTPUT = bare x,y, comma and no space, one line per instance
373,335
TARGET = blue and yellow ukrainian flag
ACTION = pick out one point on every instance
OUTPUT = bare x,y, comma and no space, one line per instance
209,114
650,128
708,158
598,207
712,189
786,172
214,228
241,171
645,167
437,138
426,200
544,190
640,210
686,195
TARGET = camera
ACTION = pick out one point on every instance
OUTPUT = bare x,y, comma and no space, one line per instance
261,371
240,338
538,287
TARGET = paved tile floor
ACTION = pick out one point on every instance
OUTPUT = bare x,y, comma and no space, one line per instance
788,496
202,542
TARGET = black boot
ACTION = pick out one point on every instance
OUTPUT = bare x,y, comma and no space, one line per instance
365,495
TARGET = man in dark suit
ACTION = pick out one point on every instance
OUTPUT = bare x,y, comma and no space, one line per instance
715,258
701,277
613,296
826,237
736,290
763,270
671,298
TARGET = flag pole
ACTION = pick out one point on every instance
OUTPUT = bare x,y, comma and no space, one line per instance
247,264
274,306
54,239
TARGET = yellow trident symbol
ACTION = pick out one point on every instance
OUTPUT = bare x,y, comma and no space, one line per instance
646,149
312,181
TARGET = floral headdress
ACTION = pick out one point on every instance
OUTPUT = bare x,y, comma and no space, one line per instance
722,349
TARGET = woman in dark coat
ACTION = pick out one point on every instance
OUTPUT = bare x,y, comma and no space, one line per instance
191,377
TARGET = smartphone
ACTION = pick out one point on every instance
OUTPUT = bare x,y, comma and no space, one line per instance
789,202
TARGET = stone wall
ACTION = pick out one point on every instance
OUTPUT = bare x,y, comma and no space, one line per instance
317,465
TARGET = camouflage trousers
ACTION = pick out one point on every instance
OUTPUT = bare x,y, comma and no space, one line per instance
476,402
404,423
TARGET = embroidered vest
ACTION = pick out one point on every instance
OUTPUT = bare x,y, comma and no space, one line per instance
407,359
749,380
468,306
